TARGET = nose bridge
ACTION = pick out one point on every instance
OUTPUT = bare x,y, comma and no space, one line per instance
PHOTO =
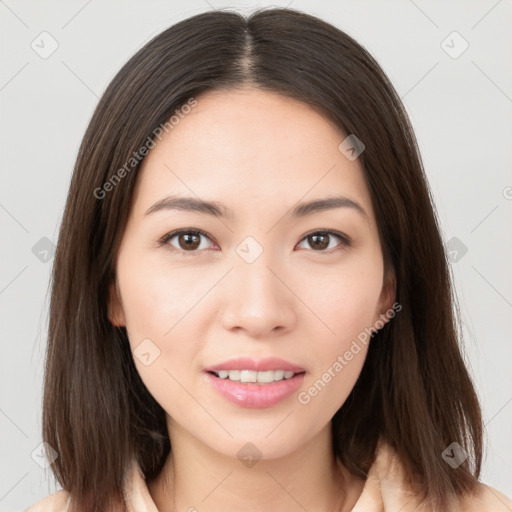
253,274
255,297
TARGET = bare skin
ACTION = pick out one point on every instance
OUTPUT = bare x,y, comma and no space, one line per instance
259,154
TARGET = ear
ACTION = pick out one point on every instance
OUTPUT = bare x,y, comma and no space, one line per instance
387,296
115,307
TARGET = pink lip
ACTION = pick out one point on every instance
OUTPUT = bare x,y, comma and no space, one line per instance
263,365
253,395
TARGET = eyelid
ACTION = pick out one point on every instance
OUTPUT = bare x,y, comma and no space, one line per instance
345,239
169,236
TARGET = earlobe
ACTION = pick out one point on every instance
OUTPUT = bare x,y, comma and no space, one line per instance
390,288
388,296
115,308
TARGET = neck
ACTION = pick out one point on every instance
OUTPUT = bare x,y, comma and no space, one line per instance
197,478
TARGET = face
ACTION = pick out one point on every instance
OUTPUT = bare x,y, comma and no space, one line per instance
250,278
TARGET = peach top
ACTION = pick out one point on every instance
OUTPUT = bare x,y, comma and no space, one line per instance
385,490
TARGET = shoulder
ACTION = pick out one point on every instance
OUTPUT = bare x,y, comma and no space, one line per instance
56,502
486,499
387,482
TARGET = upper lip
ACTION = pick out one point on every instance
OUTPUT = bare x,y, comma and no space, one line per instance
262,365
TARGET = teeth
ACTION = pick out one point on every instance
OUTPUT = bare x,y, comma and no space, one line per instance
253,376
247,376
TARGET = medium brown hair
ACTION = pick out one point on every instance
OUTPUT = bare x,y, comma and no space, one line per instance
414,390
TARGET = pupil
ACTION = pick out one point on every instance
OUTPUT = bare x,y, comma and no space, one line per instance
320,245
189,238
191,241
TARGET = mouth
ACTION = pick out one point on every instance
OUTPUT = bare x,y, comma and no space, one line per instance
255,384
251,376
255,390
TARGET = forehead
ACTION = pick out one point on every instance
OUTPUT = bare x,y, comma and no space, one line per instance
247,143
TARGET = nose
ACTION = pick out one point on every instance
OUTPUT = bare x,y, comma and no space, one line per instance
258,300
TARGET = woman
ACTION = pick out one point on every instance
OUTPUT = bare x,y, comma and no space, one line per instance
251,306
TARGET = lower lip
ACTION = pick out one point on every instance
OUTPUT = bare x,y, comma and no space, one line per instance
253,395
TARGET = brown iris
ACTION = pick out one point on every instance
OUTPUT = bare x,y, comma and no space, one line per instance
314,241
191,241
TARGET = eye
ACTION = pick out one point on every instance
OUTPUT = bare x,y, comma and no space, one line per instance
186,240
189,241
320,241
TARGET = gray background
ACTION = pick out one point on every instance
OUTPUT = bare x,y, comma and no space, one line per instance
460,108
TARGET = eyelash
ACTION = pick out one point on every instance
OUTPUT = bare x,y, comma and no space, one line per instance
164,241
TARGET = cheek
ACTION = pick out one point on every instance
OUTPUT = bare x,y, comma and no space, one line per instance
159,308
344,299
337,359
346,302
159,300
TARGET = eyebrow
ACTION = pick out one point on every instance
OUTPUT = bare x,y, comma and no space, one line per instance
216,209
